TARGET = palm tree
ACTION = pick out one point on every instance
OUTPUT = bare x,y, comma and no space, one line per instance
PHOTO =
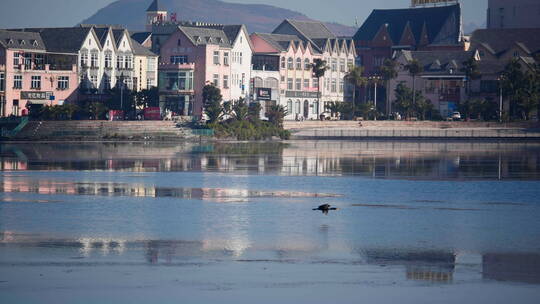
414,67
354,77
319,68
471,70
388,72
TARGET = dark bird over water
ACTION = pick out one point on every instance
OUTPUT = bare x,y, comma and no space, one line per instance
325,208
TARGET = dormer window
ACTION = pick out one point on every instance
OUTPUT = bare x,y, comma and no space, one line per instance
208,39
179,42
35,43
10,41
516,54
22,42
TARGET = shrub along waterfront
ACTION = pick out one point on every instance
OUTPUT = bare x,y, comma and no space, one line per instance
239,120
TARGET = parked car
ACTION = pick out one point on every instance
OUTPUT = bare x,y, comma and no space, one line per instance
455,116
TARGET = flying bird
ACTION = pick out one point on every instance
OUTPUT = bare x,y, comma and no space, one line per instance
325,208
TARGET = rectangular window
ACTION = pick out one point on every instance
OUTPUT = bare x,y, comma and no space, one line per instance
129,62
119,62
298,63
28,61
289,84
316,83
290,63
306,83
225,81
240,58
342,65
334,87
179,59
150,83
334,64
94,60
350,63
226,58
93,79
341,85
16,60
216,57
108,60
84,59
15,110
63,82
151,64
298,84
2,82
36,82
216,80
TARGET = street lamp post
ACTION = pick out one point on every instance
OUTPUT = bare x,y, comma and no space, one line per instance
375,81
500,98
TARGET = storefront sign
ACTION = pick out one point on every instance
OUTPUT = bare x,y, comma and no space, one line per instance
427,2
301,94
264,94
36,95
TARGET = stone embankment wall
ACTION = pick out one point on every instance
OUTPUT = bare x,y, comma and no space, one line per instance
104,130
412,130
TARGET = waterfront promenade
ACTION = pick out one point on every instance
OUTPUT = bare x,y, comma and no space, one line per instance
412,130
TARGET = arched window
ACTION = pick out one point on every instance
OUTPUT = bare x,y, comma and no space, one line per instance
258,82
297,108
307,64
290,63
271,83
298,63
283,63
290,109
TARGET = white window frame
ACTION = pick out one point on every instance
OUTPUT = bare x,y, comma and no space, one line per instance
35,82
63,82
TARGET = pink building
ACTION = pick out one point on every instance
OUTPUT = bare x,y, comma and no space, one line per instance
32,76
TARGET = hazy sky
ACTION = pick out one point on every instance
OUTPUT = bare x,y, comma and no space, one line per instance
27,13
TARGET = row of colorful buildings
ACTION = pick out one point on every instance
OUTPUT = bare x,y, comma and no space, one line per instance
47,66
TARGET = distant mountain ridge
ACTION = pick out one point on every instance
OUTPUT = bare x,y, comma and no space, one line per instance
257,17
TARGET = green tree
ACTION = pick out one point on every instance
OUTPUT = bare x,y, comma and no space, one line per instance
319,68
388,72
415,68
147,98
254,112
240,110
96,110
276,114
404,100
423,106
512,82
356,79
333,107
471,70
212,103
529,94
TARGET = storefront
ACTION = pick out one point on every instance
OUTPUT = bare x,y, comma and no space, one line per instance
302,105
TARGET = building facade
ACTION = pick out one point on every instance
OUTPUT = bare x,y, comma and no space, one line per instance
513,14
442,80
194,54
415,29
31,74
287,56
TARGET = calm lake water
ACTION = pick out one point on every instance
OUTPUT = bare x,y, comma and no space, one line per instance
418,222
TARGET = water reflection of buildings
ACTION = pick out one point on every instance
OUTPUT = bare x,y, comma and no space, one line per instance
432,266
422,160
513,267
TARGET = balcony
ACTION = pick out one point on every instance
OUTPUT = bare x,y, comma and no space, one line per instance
177,66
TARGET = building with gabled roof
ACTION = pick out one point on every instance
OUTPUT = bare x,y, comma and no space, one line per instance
194,54
415,29
442,80
289,52
34,72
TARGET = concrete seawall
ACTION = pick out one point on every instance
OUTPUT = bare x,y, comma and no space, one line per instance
103,130
412,130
